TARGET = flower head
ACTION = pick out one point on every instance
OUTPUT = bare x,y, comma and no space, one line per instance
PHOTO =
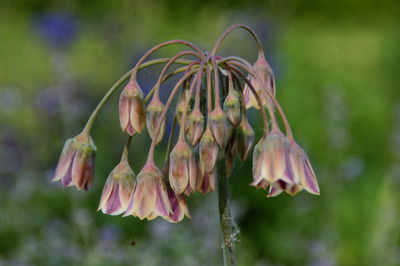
76,164
117,190
149,198
131,108
182,169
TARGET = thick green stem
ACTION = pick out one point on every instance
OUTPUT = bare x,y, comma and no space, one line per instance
227,224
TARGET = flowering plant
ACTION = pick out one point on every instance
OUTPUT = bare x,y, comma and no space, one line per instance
214,94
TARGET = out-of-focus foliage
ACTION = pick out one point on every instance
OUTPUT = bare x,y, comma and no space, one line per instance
337,68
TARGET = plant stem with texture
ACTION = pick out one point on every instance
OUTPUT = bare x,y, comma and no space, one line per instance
227,224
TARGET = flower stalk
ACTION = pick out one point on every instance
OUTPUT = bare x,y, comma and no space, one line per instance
226,221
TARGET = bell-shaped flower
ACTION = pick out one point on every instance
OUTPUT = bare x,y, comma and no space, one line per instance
182,169
208,151
302,169
195,127
76,164
131,108
220,127
149,199
264,81
243,139
153,115
271,161
117,190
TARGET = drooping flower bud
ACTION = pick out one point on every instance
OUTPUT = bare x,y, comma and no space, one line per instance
182,106
302,169
76,164
195,127
264,82
220,127
208,151
150,197
182,169
153,115
131,108
232,106
244,139
117,190
271,160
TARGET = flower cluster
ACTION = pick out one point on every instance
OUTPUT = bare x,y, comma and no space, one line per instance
214,94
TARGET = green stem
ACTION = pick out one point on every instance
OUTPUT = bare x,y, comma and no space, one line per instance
230,29
105,98
227,224
161,45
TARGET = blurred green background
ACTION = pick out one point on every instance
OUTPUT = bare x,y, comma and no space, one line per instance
337,70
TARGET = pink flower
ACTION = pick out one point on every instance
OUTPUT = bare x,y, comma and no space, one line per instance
282,165
208,151
182,169
264,82
149,198
117,190
153,115
131,108
76,164
178,206
205,181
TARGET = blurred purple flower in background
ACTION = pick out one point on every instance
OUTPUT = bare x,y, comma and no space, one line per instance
57,28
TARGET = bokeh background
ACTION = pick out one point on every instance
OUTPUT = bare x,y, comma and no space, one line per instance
337,69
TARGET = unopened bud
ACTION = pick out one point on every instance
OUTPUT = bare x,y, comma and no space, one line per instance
195,127
244,139
265,81
154,111
182,169
232,106
220,126
131,108
208,151
182,106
